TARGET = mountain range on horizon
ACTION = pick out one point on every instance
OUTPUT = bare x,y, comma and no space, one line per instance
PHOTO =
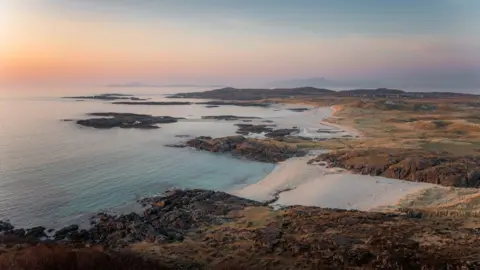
464,80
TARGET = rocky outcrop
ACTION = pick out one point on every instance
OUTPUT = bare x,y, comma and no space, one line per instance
245,129
298,109
228,117
409,164
168,218
259,150
126,120
282,132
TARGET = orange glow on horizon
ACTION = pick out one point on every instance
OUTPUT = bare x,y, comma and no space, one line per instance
41,45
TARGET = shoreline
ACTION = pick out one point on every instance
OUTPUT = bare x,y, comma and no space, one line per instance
294,182
352,131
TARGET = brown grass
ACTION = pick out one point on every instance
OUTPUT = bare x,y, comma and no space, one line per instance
58,257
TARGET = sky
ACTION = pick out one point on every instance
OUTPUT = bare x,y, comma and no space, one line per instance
231,41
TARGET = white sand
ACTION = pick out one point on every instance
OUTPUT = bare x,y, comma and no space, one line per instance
316,185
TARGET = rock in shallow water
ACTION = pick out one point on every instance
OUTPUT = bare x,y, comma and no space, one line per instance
252,149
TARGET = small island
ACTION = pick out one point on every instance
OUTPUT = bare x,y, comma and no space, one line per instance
107,97
125,120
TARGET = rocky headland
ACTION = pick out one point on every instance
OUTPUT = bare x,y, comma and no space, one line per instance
409,164
253,149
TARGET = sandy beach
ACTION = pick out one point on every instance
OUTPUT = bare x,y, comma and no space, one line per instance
317,185
294,182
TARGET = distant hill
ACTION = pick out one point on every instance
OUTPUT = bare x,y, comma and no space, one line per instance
230,93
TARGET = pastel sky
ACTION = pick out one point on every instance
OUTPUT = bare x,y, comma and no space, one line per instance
228,41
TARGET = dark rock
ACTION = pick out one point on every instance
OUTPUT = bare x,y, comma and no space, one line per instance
5,226
414,214
282,132
228,117
78,236
126,120
299,109
245,129
177,145
64,232
328,131
182,136
36,232
18,232
249,148
212,106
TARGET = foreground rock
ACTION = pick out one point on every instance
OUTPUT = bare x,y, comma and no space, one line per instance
259,150
168,219
409,164
112,96
126,120
200,229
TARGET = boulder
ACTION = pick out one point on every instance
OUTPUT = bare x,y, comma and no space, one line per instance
64,232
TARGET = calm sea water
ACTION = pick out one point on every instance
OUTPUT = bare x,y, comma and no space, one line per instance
54,173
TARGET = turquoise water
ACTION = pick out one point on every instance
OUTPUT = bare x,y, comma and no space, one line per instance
54,173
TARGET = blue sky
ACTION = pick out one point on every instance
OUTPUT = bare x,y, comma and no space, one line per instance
337,17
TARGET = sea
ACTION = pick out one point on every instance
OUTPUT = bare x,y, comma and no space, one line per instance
55,173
